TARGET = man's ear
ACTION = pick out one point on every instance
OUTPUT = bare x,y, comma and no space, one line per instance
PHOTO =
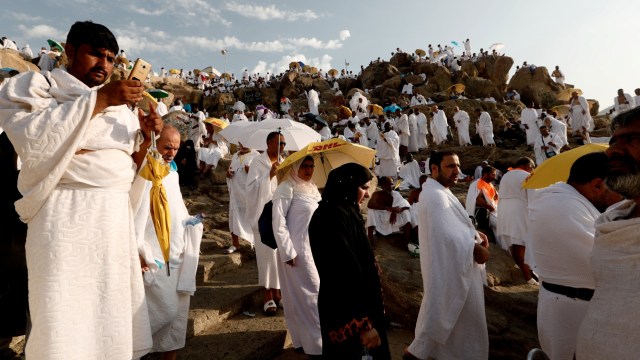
70,50
598,185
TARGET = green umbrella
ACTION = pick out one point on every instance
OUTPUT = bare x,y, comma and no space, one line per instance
158,93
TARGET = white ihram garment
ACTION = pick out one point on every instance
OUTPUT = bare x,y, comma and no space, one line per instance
238,222
512,212
380,218
300,283
86,295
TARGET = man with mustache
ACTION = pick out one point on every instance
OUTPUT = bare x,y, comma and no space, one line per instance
611,327
80,147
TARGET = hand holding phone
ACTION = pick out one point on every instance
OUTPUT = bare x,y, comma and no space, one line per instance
140,70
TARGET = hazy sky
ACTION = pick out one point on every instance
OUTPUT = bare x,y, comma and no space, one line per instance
594,43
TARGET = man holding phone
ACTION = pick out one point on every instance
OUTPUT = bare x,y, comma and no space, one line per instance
80,146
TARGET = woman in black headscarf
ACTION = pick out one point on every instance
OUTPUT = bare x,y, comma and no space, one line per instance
187,166
350,300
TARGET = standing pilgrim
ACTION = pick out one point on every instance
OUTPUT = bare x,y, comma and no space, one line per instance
414,134
485,128
529,120
423,129
388,147
461,118
261,184
451,323
313,100
581,121
77,139
439,126
294,202
623,101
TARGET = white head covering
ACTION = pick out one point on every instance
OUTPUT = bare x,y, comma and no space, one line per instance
301,186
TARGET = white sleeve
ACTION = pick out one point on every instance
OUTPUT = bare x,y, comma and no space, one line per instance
281,230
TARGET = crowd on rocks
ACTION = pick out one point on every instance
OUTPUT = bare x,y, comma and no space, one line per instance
90,231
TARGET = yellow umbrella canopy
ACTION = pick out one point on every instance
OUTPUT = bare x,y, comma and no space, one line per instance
328,155
557,168
332,72
420,52
174,71
226,76
294,65
146,101
218,124
375,109
565,95
155,170
345,112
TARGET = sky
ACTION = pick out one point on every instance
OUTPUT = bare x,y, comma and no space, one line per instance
593,42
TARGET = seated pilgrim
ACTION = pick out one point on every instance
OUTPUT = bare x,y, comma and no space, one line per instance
410,173
388,212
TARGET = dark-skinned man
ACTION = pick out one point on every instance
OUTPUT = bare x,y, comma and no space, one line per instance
80,147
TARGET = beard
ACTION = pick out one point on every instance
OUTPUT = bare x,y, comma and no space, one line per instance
627,185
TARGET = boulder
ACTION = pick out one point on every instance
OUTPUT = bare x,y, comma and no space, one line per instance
401,60
425,68
270,98
481,88
376,74
12,59
495,69
537,87
321,84
469,68
442,78
393,83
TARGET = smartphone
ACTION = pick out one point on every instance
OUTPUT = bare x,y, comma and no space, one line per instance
140,70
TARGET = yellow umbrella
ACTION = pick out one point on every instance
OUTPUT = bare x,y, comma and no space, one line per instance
333,72
155,170
226,76
565,95
557,168
328,155
218,124
294,65
375,109
174,71
420,52
345,111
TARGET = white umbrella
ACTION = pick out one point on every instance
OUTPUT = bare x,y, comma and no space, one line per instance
297,135
496,46
236,130
212,70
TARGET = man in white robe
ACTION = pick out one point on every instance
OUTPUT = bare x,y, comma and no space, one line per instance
410,173
414,134
423,129
485,128
611,327
581,120
373,133
562,251
482,199
77,141
388,212
512,214
529,119
168,294
451,323
388,147
161,109
26,51
558,76
417,99
467,47
623,101
439,126
407,89
261,184
547,145
461,119
212,150
557,127
197,129
403,131
313,100
239,225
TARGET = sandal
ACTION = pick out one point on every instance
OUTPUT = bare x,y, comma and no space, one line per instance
231,250
270,308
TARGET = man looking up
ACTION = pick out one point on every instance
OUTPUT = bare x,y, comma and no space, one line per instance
611,327
80,144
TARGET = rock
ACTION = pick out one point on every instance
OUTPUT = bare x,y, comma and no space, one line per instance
401,60
537,87
442,78
495,69
393,83
428,69
321,85
469,68
270,98
376,74
416,80
12,59
481,88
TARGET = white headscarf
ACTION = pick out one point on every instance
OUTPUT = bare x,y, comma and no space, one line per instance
301,186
